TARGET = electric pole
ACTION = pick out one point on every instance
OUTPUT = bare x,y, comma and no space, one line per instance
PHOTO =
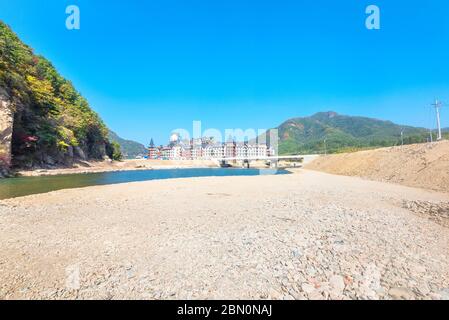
437,105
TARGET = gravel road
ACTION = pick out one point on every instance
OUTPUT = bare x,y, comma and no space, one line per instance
308,235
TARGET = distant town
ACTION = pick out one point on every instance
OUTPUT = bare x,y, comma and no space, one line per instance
207,148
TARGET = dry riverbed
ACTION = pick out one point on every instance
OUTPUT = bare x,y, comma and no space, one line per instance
307,235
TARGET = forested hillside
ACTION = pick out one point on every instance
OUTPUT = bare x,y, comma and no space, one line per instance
130,149
53,123
332,132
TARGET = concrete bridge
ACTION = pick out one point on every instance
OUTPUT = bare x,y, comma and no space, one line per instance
272,160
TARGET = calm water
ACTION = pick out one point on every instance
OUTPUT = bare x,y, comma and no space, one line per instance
17,187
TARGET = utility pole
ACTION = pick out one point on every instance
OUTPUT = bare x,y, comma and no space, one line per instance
325,148
437,105
402,137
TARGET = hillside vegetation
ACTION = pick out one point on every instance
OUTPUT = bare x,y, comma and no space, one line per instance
130,149
53,123
342,133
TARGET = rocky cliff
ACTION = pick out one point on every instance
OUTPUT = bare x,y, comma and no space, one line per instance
45,122
6,123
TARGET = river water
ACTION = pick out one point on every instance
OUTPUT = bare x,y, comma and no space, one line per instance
23,186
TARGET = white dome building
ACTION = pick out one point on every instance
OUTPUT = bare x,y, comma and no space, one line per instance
174,138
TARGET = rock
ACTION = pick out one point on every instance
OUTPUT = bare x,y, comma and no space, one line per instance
424,289
49,160
315,295
79,153
420,269
70,151
401,293
296,253
311,271
348,280
444,294
307,288
273,294
337,285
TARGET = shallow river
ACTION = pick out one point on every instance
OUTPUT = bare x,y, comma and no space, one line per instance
22,186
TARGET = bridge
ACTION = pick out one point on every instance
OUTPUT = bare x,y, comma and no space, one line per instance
273,160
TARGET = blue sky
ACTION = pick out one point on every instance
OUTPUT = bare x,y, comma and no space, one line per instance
148,67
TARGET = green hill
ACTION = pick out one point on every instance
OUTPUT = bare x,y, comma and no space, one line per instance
130,149
342,133
446,133
53,124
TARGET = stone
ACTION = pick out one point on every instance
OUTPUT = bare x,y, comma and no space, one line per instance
307,288
273,294
79,153
337,284
6,127
296,253
315,295
398,293
444,294
424,289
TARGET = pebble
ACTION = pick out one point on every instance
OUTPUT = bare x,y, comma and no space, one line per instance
337,284
398,293
170,243
307,288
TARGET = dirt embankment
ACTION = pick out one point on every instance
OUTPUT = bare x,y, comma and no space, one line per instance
420,165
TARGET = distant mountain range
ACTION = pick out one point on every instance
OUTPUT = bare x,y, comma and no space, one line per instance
130,149
332,132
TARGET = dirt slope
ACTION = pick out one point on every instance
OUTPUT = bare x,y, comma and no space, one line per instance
420,165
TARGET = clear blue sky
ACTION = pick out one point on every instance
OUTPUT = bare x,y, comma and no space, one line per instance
148,67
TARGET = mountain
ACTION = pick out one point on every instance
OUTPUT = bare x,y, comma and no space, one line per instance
446,133
130,149
342,133
52,123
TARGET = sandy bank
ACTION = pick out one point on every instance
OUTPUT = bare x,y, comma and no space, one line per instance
304,236
421,165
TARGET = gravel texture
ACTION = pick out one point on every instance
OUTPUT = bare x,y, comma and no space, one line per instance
308,235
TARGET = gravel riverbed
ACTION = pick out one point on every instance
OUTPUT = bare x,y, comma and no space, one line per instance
307,235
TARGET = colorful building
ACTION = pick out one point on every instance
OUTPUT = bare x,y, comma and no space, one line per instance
207,149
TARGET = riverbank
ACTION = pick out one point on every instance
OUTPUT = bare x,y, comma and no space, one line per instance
125,165
307,235
128,165
419,165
